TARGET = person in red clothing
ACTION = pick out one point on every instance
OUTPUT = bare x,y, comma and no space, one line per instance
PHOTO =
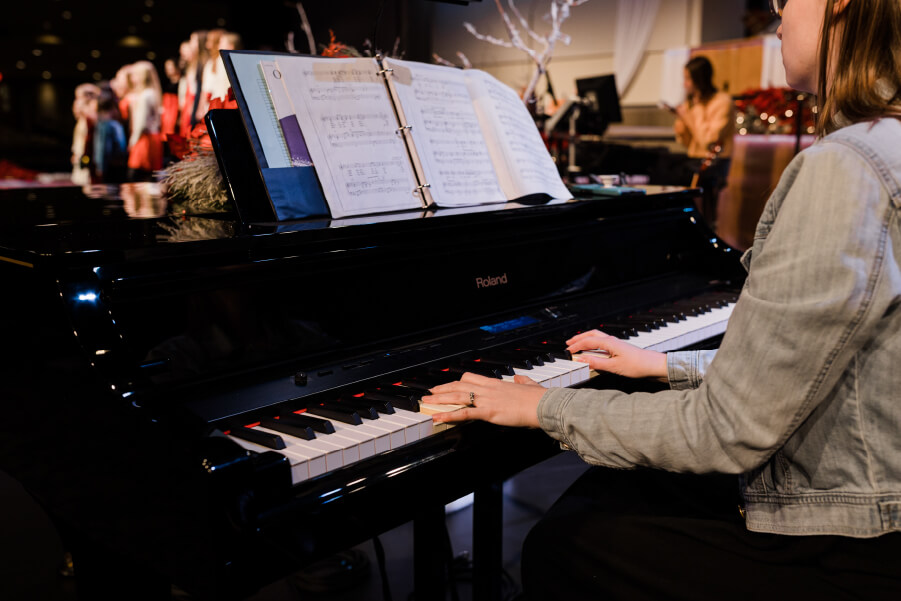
145,146
194,56
169,116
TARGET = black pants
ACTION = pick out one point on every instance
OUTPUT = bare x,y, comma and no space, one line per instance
636,535
711,178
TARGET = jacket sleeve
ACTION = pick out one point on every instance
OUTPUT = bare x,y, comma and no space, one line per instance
686,369
817,287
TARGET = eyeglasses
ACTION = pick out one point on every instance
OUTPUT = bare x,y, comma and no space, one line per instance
777,6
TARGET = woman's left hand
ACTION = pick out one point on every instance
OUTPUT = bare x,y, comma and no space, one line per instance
496,401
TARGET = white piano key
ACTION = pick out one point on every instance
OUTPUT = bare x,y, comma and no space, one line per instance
684,333
334,454
424,420
300,464
412,432
579,372
545,377
372,440
394,430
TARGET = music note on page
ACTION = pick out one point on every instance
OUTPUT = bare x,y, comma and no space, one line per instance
525,164
446,134
351,130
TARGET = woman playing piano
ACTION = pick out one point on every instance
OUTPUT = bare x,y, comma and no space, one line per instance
772,468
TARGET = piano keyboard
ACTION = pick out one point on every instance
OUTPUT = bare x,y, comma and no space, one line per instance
691,330
322,438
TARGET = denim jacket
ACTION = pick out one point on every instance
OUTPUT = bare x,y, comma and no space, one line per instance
803,397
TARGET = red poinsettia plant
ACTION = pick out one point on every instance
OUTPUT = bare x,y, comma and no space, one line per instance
774,111
182,147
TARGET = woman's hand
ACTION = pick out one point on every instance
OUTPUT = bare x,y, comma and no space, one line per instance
496,401
617,356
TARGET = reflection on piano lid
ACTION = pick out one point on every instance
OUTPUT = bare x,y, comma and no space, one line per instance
258,386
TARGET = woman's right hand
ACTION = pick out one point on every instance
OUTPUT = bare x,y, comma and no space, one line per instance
617,356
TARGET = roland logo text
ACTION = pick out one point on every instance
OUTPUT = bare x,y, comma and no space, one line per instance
491,281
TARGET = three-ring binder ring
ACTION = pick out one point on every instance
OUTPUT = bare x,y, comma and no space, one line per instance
400,130
383,71
418,190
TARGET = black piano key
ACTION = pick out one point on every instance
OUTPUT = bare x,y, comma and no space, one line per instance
482,371
285,427
381,406
536,359
544,354
401,402
668,314
332,411
637,327
436,377
318,425
420,383
556,350
618,331
493,370
521,360
644,319
365,409
687,308
264,439
413,393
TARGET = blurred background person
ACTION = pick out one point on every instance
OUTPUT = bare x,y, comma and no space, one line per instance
195,57
170,84
705,125
110,141
145,147
121,86
84,108
216,80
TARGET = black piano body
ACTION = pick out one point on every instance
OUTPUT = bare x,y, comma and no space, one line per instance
131,344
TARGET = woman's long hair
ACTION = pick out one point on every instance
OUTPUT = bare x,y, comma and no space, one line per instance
869,50
700,70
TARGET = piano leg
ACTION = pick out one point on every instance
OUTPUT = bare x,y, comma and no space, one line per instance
487,541
429,554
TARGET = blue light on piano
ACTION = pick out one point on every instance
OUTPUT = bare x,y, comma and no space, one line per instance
687,210
508,325
87,297
329,494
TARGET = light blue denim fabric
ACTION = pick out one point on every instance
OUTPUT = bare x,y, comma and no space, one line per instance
803,397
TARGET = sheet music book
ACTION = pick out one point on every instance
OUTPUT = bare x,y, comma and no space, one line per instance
386,134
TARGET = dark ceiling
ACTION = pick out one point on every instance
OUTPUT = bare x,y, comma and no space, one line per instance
74,39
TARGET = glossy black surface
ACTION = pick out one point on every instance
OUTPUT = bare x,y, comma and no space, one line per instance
159,331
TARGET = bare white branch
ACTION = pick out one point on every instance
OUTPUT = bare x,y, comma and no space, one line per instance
486,38
442,61
524,22
305,26
289,43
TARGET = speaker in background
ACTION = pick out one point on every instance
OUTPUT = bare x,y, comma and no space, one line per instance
599,104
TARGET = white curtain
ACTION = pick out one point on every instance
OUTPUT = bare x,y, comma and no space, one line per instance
634,23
